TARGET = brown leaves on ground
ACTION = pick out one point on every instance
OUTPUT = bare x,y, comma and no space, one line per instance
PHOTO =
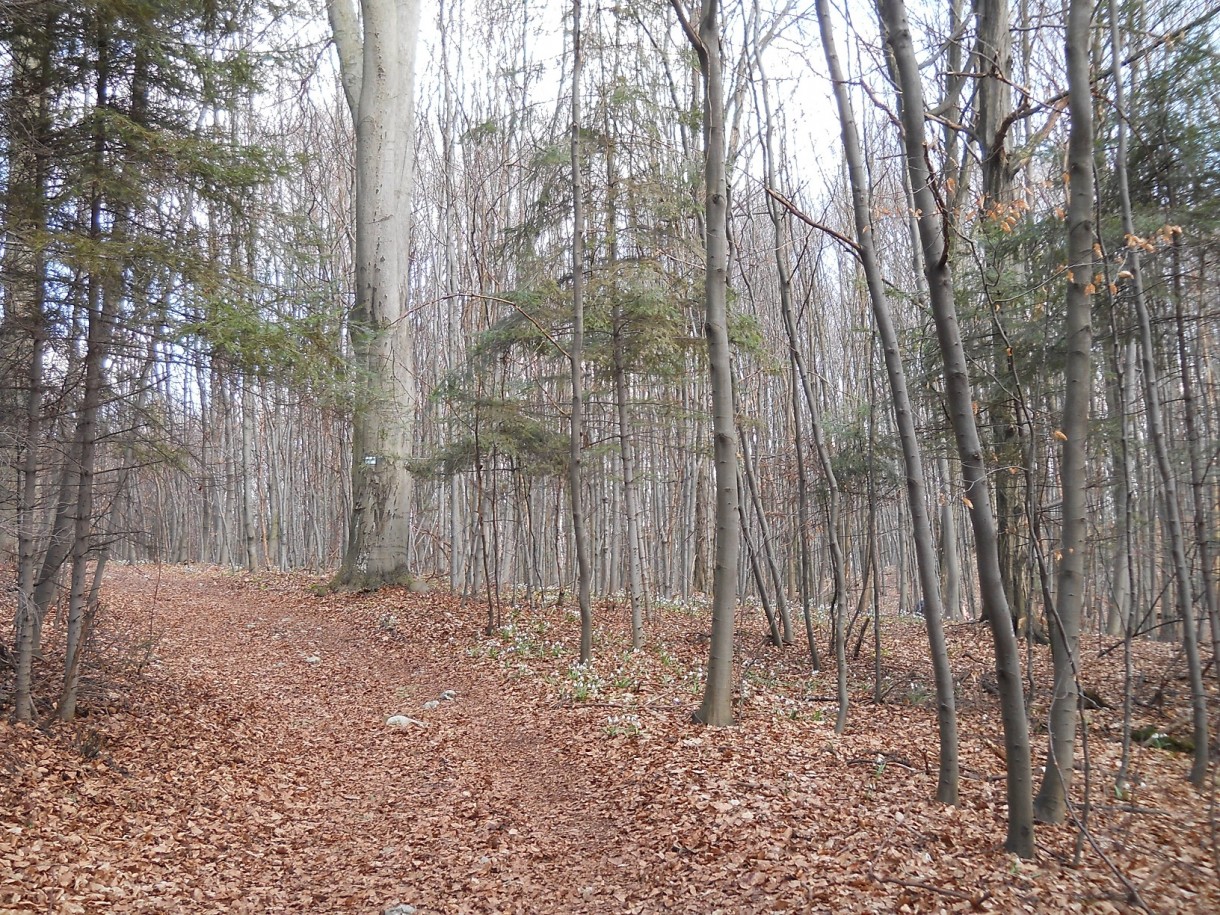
233,756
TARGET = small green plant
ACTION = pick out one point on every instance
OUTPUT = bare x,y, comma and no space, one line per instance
625,682
583,682
388,622
918,695
623,726
761,678
525,641
685,608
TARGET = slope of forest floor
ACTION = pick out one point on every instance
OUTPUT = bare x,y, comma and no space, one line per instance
233,756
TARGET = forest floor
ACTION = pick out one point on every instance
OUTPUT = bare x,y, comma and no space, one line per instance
232,755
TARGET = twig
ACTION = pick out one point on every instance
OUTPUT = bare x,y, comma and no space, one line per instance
812,223
974,901
886,759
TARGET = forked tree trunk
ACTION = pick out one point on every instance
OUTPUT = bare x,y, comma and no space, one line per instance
377,66
1051,803
960,401
925,545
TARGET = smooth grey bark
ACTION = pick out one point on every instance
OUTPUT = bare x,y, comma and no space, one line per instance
838,615
697,542
455,490
802,514
784,275
960,402
1050,805
716,707
837,562
764,532
626,438
993,59
576,429
635,575
1122,398
1156,432
760,580
904,416
377,66
950,564
249,529
28,618
833,536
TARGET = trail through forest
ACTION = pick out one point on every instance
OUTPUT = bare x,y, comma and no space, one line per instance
234,756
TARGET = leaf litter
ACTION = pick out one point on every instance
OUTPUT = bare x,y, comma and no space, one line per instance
233,755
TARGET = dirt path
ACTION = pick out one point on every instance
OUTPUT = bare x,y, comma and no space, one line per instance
488,800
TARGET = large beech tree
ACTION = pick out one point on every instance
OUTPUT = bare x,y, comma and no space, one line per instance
377,66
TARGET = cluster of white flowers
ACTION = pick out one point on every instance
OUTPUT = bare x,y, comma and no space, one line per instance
623,726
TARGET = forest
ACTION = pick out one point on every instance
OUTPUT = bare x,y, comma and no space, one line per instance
573,455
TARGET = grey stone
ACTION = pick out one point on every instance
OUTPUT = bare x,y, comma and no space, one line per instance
402,722
430,705
449,695
401,909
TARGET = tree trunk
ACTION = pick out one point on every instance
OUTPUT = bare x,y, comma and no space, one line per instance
584,571
960,401
248,480
768,551
1122,396
1051,803
24,269
626,445
950,564
1198,461
377,63
1156,432
925,545
802,515
716,707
